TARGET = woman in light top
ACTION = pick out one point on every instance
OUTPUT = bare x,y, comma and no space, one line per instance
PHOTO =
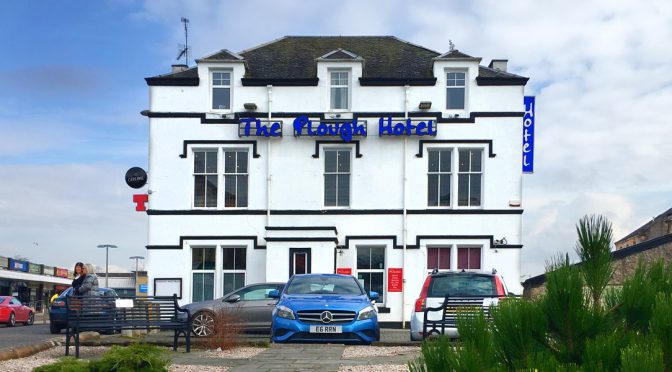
90,284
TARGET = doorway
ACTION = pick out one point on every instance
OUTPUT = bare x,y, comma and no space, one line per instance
299,261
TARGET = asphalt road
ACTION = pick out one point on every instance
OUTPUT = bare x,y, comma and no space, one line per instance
21,335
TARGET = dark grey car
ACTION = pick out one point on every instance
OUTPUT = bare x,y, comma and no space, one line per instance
250,303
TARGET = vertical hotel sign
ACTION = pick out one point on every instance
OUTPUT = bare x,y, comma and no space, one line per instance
528,135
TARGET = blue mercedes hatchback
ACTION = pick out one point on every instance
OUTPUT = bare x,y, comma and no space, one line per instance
324,308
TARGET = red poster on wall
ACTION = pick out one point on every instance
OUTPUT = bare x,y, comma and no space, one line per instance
344,270
395,279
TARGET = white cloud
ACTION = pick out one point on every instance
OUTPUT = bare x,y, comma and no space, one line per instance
69,210
600,73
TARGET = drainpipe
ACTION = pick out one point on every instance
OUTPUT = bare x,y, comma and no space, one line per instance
269,90
405,232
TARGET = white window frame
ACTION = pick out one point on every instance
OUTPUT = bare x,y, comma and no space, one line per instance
233,271
213,87
450,174
469,246
469,172
466,89
208,271
450,247
348,86
366,271
325,173
194,174
224,174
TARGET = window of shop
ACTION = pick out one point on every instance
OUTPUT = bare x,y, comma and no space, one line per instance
371,269
337,177
235,178
221,90
469,258
203,273
438,258
205,178
339,90
470,177
455,90
439,177
234,265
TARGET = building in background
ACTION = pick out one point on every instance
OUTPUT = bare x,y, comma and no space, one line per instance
125,284
368,156
658,226
33,284
647,244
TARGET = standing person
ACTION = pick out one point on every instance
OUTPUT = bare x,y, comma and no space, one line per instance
90,284
79,278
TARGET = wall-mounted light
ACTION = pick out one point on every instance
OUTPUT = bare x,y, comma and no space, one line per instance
501,241
250,106
425,105
340,251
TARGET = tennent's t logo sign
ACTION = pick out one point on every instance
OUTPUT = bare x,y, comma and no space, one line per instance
140,200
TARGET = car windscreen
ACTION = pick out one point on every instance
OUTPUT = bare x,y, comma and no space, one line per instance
462,285
321,285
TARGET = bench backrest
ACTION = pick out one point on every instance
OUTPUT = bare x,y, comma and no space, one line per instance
103,311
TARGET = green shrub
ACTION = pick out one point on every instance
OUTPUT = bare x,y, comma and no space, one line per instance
136,357
645,355
519,329
67,364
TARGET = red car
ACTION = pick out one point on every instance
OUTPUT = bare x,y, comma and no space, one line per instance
12,312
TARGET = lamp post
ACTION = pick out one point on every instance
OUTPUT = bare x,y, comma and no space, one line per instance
107,257
136,258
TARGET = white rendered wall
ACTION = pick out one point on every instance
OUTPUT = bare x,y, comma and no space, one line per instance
297,181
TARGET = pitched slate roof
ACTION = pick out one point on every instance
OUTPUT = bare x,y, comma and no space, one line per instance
647,225
293,57
291,60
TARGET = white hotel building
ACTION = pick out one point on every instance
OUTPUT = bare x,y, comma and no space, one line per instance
232,204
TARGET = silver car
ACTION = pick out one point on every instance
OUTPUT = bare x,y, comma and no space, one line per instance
250,303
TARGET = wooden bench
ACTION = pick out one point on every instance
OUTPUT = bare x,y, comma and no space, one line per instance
101,314
450,308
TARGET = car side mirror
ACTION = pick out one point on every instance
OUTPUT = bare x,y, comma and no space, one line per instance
232,298
274,294
373,295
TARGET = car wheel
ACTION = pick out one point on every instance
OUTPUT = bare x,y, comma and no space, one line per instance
203,324
12,320
31,319
54,329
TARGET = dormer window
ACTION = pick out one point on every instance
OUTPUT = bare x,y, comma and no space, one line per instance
455,90
221,90
339,89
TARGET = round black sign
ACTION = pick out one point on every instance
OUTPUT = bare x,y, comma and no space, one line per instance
136,177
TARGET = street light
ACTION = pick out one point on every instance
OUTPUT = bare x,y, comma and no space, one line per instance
107,256
136,258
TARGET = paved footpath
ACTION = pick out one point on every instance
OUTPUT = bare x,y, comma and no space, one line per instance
296,357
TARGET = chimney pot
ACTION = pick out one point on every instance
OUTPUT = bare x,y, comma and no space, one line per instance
179,68
499,64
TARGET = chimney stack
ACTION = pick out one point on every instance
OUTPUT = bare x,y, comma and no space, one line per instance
179,68
499,64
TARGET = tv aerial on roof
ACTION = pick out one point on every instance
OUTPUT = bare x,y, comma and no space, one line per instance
184,48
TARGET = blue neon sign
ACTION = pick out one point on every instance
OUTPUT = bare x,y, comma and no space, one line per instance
528,135
406,127
345,129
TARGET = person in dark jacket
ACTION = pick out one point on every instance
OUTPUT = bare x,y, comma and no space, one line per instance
79,278
89,286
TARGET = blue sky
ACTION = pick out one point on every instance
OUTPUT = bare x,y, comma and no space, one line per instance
71,89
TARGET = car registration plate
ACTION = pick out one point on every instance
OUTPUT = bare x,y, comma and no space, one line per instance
325,329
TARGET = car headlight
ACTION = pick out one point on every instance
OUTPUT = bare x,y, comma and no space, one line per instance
367,313
284,312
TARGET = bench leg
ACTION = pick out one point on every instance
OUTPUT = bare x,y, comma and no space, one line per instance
67,341
77,345
175,335
187,334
